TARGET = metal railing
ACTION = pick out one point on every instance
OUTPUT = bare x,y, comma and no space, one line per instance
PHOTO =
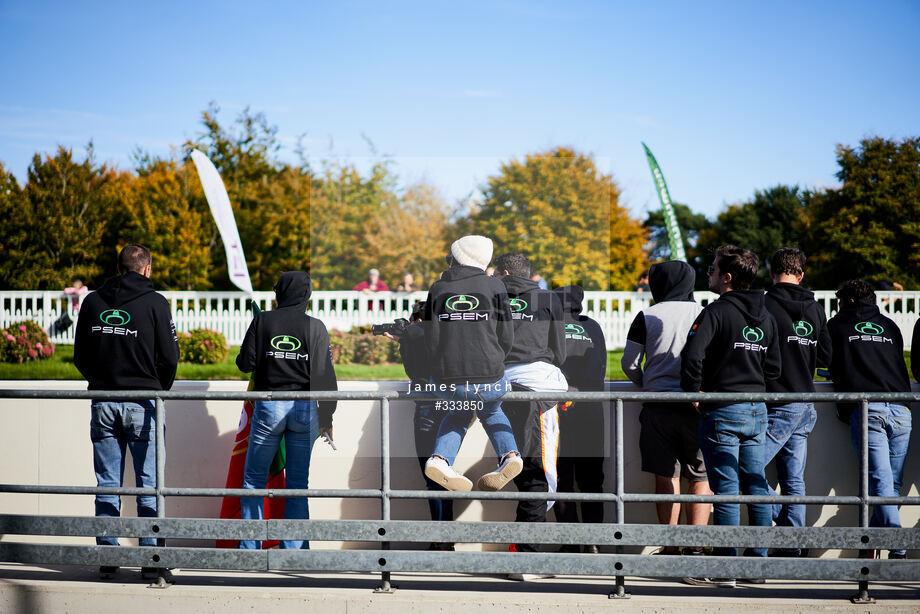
386,530
227,312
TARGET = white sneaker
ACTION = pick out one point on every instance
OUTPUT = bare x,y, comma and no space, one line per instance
527,577
440,472
496,480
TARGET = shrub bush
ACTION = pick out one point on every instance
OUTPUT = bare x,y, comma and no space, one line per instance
203,346
343,347
24,341
371,350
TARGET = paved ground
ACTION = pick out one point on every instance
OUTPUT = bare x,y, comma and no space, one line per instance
28,589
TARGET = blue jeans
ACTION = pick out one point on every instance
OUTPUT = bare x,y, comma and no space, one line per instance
787,441
732,441
889,436
114,426
457,422
298,423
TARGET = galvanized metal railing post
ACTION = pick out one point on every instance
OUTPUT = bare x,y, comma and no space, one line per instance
619,591
160,430
385,586
862,595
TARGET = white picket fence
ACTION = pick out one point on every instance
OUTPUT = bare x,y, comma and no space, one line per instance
227,312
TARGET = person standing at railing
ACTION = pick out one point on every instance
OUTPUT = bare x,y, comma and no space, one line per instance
581,424
533,365
126,340
733,347
804,344
669,440
868,356
427,418
468,334
287,350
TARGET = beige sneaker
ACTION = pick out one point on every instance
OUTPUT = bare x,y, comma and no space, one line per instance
496,480
440,472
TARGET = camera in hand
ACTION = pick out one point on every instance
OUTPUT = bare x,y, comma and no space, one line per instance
396,328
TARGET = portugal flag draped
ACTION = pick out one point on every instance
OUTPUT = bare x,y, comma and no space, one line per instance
230,507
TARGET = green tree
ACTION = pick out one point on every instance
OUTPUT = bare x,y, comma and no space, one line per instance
169,215
345,206
870,226
691,224
564,214
410,236
14,234
270,199
71,213
769,221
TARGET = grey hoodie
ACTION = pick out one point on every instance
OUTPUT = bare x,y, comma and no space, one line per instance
660,332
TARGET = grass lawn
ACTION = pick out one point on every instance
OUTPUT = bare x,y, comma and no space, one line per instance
60,366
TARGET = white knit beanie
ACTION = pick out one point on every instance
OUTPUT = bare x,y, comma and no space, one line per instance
472,250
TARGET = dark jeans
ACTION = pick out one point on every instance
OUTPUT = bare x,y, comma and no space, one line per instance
427,420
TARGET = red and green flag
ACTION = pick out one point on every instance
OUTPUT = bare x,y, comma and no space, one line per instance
230,507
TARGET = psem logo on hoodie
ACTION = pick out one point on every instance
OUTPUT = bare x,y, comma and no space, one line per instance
286,347
752,337
869,331
802,329
517,309
460,308
576,332
114,321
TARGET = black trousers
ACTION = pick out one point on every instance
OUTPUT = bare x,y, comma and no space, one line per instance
526,419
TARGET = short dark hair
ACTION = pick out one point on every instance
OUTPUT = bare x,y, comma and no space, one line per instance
515,263
856,290
133,257
740,262
788,261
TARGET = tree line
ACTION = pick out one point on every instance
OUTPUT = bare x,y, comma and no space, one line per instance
71,216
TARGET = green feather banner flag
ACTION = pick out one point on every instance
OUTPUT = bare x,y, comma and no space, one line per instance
670,219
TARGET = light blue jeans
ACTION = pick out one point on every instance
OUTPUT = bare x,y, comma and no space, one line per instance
114,426
732,440
456,423
787,441
889,437
298,423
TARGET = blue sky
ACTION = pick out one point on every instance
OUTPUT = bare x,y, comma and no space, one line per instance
731,97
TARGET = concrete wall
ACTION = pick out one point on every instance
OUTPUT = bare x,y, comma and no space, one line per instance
47,442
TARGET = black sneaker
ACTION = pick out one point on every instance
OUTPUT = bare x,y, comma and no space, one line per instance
752,580
897,555
107,572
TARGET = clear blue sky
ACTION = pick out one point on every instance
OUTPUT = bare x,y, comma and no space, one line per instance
730,96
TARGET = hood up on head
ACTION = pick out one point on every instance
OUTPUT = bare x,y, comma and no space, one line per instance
672,280
122,289
572,298
293,288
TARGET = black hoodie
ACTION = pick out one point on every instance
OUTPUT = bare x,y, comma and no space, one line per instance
804,342
539,330
468,329
868,351
732,346
915,343
126,337
585,363
289,350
